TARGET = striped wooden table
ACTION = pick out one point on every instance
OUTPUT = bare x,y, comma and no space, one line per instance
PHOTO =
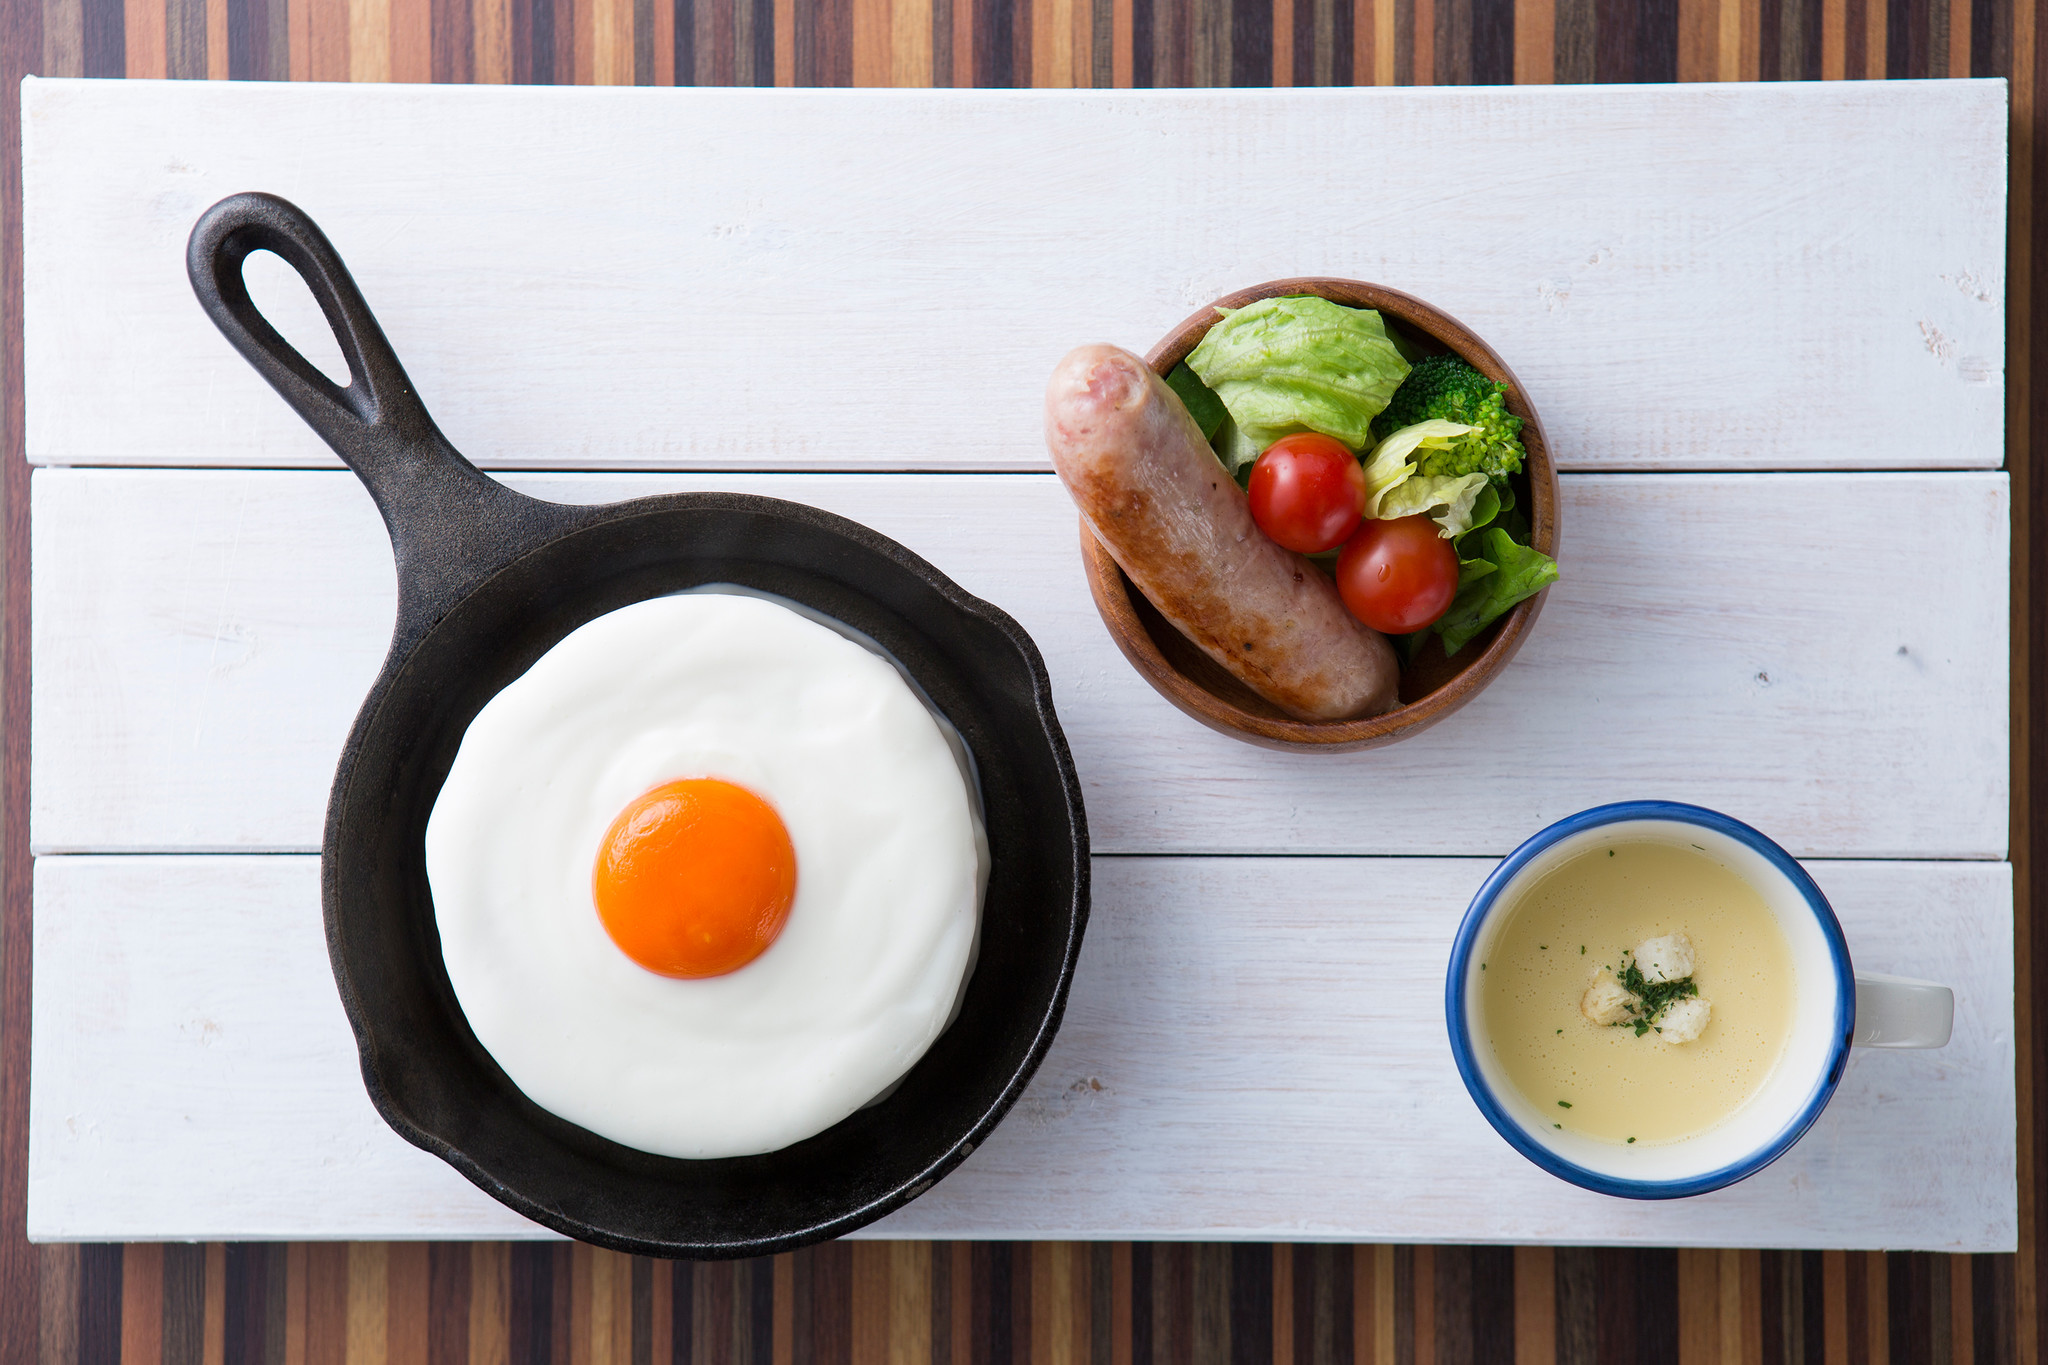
955,1303
1037,42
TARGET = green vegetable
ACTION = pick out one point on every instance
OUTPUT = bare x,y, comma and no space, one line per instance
1297,364
1389,465
1492,500
1201,401
1237,450
1496,567
1449,501
1512,573
1446,388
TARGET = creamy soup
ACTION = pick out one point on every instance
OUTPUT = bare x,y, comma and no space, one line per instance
1611,1082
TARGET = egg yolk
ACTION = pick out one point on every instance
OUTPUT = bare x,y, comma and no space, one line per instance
695,878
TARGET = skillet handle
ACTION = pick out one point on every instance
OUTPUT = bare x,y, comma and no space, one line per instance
450,524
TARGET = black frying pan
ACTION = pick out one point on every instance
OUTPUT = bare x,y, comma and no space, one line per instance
488,580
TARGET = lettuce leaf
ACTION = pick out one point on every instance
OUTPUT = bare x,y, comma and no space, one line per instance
1513,573
1237,452
1390,466
1493,500
1472,570
1201,402
1451,502
1298,364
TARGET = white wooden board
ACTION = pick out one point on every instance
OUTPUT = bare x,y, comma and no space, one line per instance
1287,1079
1822,655
1685,277
1711,279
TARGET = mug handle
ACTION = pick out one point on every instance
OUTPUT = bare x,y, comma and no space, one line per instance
1897,1011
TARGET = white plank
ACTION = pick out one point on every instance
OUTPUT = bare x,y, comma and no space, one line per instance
1824,656
1267,1037
1685,277
222,1078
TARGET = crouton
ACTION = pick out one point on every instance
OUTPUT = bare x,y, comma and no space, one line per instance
1665,959
1681,1021
1607,1001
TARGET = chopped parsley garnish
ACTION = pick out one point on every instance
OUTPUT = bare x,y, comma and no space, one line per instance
1655,995
1651,996
1631,1139
1564,1104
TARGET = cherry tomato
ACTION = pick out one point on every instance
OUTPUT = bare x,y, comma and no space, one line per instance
1308,492
1397,576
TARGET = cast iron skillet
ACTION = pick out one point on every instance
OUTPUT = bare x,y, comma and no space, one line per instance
488,580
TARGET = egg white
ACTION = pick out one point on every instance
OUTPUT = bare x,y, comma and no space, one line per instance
891,861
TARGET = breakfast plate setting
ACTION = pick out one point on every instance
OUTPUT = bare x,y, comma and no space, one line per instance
888,703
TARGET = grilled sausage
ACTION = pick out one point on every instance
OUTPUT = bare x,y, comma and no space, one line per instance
1168,512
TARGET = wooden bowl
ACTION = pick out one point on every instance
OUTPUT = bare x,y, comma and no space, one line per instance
1432,686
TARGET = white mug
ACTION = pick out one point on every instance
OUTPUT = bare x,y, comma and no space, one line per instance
1834,1007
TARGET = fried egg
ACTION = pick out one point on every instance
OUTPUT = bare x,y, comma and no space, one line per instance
708,875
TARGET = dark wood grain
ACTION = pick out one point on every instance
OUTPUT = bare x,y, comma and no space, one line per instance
184,1306
448,1304
21,41
1993,29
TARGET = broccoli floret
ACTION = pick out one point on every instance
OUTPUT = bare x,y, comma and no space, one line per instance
1443,386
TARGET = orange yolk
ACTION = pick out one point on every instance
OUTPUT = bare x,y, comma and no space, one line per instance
695,878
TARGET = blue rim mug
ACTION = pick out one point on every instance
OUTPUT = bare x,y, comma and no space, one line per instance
1834,1008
